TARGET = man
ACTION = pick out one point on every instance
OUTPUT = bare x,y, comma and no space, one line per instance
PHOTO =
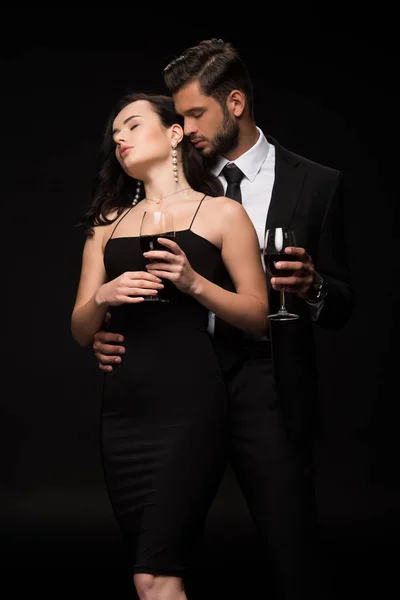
272,387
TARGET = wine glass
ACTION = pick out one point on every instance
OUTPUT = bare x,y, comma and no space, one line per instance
156,224
275,241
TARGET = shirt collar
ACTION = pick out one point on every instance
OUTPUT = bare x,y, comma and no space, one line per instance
250,162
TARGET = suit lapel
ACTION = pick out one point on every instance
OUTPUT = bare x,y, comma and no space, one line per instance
288,184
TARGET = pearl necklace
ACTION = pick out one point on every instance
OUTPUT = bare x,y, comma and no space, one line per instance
159,200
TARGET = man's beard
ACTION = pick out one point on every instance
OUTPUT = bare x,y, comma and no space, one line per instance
224,141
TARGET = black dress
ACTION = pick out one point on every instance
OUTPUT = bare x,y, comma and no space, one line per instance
163,413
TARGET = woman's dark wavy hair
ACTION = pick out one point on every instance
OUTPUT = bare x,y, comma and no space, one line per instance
113,189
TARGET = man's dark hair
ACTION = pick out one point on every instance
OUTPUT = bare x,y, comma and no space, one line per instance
218,68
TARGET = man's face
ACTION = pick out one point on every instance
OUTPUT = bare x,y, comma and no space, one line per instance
211,129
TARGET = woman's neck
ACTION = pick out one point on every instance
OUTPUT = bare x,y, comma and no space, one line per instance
157,194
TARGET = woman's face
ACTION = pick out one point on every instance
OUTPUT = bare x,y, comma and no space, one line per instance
141,140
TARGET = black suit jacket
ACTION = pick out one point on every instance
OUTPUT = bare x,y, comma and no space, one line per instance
308,197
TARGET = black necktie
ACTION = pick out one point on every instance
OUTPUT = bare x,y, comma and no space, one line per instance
234,176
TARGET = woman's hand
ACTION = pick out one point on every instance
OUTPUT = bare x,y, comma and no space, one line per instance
128,288
172,264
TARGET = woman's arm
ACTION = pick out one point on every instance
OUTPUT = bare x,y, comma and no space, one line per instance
95,295
88,314
248,308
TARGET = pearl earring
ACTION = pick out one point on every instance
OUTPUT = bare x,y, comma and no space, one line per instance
137,195
174,154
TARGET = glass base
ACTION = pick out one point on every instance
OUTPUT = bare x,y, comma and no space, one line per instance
283,316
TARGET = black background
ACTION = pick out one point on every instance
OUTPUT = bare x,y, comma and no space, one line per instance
325,87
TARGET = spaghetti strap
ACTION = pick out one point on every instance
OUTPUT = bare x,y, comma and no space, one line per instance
118,222
197,210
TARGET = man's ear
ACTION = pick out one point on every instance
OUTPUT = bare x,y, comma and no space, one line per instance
236,103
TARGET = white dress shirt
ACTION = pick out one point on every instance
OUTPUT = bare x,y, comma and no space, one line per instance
258,167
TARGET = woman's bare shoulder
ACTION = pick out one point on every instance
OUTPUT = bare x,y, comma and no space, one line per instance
223,201
101,232
230,207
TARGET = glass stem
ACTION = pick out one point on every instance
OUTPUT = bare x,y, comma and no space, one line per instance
283,307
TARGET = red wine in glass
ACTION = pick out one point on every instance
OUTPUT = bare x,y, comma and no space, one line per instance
156,224
272,259
150,241
275,241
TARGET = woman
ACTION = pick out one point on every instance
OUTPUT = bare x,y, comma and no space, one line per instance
163,408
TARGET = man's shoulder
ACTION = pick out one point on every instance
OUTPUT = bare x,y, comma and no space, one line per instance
311,166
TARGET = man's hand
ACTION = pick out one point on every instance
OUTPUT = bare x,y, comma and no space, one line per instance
108,348
301,274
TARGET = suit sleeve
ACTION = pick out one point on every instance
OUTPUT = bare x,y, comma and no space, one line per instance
333,260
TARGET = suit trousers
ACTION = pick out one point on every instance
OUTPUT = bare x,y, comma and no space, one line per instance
276,480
